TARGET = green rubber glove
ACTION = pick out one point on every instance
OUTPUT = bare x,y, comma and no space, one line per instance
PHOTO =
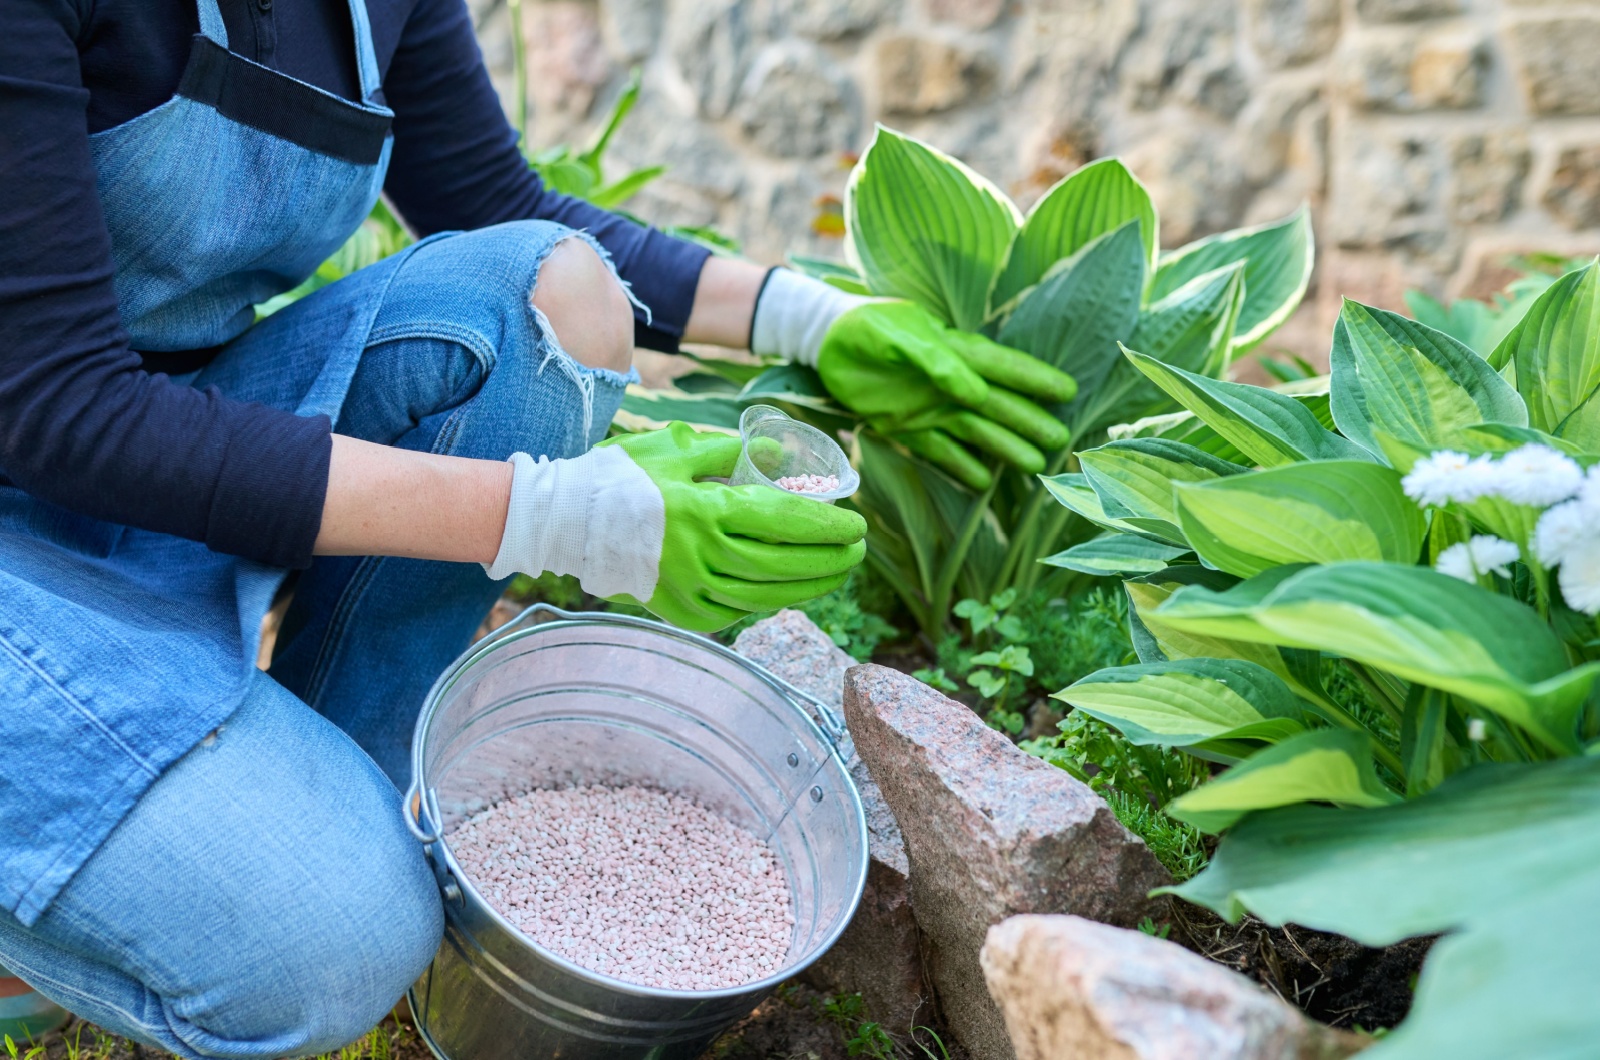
942,392
728,551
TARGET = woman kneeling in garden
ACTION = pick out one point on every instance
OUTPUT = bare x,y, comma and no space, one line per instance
193,853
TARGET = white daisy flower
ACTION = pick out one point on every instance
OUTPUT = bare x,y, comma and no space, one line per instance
1477,731
1485,553
1446,476
1563,528
1580,577
1538,475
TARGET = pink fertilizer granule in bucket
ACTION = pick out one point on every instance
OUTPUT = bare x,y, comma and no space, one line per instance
644,886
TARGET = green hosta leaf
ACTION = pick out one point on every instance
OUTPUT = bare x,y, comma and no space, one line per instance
1134,480
645,409
1278,260
1555,353
1075,494
923,226
1316,512
1117,554
1506,858
1097,199
1083,308
1413,622
836,273
1183,426
610,196
1191,328
1398,376
1322,765
1156,641
1268,428
1222,709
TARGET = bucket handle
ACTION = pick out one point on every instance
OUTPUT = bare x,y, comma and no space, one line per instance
829,720
411,810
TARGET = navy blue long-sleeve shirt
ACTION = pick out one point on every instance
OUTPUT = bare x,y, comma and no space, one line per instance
83,424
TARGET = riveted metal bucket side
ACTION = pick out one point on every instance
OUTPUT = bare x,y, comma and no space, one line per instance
593,686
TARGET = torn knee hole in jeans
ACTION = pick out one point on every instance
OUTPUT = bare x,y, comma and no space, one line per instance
581,375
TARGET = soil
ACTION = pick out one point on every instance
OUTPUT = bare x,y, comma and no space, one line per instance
798,1023
1331,978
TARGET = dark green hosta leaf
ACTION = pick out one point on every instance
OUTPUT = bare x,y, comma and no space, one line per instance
1134,480
1278,257
1117,554
1395,375
1555,353
923,226
1220,709
1267,427
1092,201
1413,622
1191,328
1322,765
1320,511
1505,858
1082,309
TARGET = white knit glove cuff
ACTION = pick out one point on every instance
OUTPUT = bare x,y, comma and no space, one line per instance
597,516
793,314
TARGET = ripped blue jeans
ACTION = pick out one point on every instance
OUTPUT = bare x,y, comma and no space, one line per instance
263,898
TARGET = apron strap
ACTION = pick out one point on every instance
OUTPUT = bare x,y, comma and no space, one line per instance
211,25
366,54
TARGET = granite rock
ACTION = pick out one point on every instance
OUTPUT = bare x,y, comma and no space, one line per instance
879,955
1070,987
990,832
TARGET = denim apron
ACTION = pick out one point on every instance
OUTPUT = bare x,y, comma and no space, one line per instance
121,649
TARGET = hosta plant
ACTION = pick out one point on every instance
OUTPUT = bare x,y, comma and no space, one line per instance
1425,529
1067,281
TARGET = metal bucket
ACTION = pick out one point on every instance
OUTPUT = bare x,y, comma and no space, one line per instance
554,699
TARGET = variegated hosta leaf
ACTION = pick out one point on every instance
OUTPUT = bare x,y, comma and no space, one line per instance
1395,375
1555,351
1278,260
1099,198
1135,481
1323,511
923,226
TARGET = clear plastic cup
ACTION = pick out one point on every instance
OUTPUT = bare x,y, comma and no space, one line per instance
776,446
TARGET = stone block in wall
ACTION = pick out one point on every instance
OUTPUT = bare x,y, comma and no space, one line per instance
571,64
713,45
631,28
829,20
1292,32
1383,190
923,75
1406,10
1411,71
1275,118
1556,60
797,103
1488,170
1196,179
968,14
1175,54
1573,194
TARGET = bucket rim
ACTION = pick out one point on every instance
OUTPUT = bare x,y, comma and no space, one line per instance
421,812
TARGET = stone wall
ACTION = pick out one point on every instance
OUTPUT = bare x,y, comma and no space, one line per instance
1432,137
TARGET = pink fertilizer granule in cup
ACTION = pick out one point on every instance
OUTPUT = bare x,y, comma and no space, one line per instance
640,885
809,483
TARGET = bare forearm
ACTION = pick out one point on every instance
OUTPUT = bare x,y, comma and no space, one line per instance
384,501
725,303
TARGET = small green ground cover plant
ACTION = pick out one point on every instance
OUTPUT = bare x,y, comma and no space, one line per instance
1065,282
1424,527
